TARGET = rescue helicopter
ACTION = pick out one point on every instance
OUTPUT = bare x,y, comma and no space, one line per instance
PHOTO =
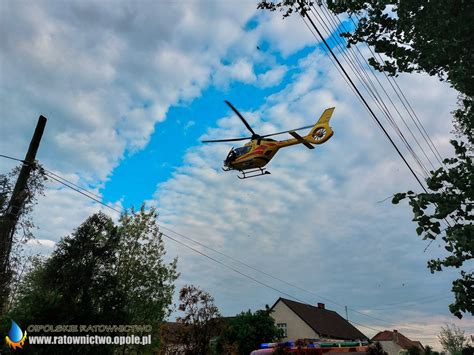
250,159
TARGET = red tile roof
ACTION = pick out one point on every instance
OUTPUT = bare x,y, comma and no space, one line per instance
398,338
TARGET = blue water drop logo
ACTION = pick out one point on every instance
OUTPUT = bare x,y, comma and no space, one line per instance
15,334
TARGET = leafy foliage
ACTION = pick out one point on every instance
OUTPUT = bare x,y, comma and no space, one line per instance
246,331
101,274
452,339
200,320
288,7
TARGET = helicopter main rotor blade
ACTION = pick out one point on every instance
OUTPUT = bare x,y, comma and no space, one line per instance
227,140
290,130
241,117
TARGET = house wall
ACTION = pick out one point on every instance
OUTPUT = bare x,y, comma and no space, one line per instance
295,326
391,347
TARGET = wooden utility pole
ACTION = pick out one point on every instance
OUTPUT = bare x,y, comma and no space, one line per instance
9,220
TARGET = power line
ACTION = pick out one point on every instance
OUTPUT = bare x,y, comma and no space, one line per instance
398,92
304,13
426,299
83,193
233,269
404,101
73,184
412,114
371,92
252,267
273,277
365,102
332,19
11,158
252,278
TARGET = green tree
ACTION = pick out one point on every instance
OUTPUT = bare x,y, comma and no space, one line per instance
147,280
200,320
414,350
93,277
248,330
452,339
16,261
432,37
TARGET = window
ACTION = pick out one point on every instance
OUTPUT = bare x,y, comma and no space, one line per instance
283,326
242,150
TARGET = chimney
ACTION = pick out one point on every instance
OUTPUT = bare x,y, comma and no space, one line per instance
321,305
395,335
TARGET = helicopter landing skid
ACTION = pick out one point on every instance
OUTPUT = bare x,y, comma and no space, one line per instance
253,173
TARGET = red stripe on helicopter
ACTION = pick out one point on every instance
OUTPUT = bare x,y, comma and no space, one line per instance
258,150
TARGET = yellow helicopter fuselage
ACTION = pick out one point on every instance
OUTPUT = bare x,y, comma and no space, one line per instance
258,152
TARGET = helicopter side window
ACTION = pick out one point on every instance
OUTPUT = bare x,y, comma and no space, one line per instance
241,151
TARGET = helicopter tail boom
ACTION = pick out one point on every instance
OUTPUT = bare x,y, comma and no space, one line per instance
321,131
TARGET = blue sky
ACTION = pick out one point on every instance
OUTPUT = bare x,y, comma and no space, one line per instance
130,93
185,123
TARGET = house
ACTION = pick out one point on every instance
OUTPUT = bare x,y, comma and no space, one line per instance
395,343
303,321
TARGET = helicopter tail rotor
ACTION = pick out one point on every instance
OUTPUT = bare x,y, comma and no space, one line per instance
321,131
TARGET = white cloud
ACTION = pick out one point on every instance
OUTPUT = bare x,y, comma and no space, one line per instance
42,242
285,36
240,70
105,75
62,210
271,77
